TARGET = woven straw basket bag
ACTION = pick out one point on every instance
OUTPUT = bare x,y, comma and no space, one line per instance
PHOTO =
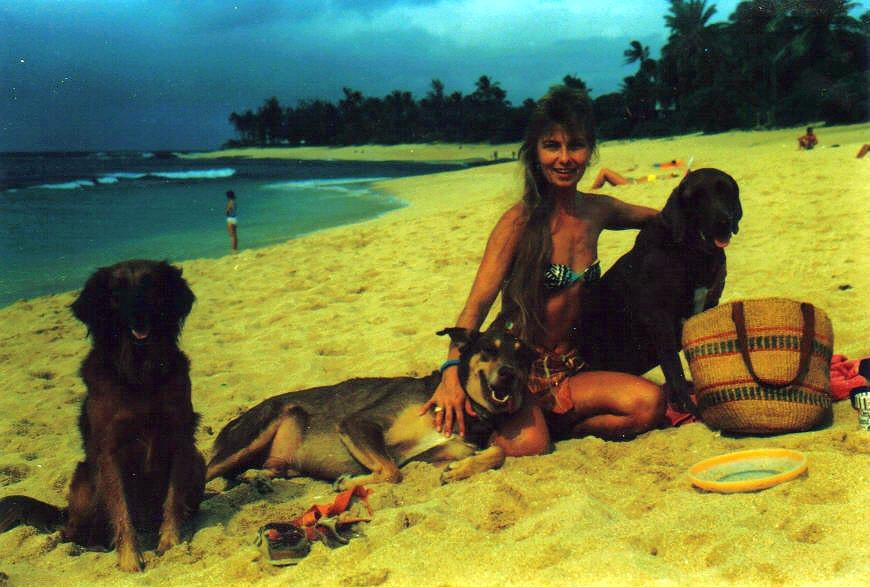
761,366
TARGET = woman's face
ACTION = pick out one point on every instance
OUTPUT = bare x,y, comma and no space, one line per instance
563,157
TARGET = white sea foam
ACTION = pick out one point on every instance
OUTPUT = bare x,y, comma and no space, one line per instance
115,177
196,173
318,183
69,185
126,175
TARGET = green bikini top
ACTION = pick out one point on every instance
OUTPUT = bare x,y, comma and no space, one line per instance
561,276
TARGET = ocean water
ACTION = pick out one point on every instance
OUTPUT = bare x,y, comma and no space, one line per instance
62,215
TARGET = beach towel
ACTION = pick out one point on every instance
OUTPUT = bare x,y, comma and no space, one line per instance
845,377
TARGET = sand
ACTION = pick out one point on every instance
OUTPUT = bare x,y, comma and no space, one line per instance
366,299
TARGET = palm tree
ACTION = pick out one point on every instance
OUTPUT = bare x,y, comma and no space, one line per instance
271,117
688,58
433,110
572,81
486,110
398,120
819,43
639,90
751,48
636,52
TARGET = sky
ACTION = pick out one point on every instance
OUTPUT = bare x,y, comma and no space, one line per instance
91,75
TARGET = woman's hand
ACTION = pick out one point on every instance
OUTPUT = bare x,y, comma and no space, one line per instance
449,401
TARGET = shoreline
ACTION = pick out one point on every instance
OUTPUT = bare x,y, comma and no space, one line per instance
366,299
477,153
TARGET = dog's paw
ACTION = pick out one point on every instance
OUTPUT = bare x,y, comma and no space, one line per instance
168,539
343,483
454,472
260,481
130,559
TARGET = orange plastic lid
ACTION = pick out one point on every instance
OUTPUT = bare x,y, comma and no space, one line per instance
748,470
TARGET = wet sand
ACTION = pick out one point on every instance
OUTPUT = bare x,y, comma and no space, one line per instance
366,300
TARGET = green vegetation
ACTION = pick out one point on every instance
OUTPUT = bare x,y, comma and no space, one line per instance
774,63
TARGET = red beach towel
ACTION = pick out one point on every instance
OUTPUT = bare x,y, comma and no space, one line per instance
845,377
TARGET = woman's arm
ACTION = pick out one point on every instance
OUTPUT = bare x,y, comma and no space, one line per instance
621,215
449,396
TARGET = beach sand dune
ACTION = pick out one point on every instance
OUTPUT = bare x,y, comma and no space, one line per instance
366,300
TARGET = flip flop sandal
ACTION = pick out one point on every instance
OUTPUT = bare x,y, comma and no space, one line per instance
333,532
283,544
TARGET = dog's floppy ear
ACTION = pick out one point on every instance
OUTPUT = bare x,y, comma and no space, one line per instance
178,292
460,337
93,306
675,210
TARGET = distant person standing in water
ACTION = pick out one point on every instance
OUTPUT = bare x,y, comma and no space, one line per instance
232,222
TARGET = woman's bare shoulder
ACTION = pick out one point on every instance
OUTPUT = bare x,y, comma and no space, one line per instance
511,224
515,216
601,204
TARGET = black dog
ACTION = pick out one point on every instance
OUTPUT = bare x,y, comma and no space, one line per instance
141,468
370,427
632,319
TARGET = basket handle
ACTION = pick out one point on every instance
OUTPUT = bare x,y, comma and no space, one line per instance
739,318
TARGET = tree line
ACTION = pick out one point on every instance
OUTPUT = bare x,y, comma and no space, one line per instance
773,63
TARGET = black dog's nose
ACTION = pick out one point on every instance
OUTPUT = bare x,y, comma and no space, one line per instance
505,372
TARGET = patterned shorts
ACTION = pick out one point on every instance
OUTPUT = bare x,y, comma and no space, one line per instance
548,379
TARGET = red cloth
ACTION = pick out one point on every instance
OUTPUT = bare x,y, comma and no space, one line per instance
311,520
678,418
844,377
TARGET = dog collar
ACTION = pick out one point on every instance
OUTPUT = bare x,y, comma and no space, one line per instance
481,412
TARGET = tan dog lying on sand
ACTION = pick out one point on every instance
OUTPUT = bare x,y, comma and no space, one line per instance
362,430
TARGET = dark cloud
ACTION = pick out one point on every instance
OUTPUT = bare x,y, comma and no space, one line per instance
139,74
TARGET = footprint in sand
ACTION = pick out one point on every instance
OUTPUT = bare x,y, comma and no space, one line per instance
11,474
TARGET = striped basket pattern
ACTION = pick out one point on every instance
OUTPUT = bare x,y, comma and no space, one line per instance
761,366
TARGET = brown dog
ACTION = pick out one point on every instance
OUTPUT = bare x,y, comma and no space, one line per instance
632,319
362,430
141,468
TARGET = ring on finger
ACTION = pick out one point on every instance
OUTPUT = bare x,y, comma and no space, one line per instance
438,409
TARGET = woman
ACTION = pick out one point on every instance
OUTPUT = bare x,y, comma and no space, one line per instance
541,254
232,220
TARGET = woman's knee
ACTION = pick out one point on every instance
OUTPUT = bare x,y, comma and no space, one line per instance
525,434
648,407
527,444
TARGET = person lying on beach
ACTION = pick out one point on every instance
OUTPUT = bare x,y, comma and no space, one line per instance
541,254
609,176
809,140
669,164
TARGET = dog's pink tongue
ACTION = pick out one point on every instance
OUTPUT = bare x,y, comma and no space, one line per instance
140,335
722,243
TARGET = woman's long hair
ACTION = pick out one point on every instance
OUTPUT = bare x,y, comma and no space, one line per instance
523,295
